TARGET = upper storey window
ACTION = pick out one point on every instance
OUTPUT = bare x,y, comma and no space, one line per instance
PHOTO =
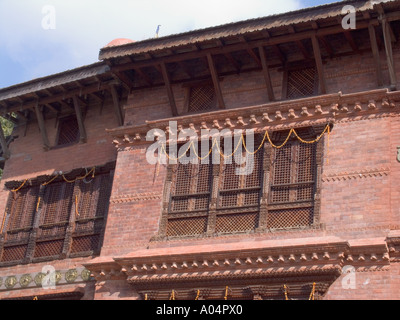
302,83
201,98
68,131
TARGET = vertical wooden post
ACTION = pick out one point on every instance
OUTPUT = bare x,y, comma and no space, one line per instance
215,80
42,127
318,62
79,117
375,52
117,107
266,74
389,52
170,93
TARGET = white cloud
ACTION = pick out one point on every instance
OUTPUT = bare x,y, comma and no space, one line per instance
83,27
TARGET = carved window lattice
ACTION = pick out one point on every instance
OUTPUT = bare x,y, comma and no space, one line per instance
60,208
302,83
190,197
202,98
240,187
21,210
220,200
293,185
68,131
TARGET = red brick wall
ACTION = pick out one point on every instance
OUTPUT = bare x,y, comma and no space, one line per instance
353,206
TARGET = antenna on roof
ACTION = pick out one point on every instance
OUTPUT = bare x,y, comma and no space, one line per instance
158,30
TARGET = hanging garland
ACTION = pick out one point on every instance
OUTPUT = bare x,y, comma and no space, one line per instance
243,142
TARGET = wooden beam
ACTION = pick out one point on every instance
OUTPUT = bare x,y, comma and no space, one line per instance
217,86
63,96
351,41
266,74
4,145
79,118
117,107
318,62
375,52
42,127
389,53
168,86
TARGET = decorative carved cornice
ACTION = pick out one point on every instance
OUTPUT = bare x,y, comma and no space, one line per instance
274,116
156,271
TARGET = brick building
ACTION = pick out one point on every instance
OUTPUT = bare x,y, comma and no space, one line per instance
82,207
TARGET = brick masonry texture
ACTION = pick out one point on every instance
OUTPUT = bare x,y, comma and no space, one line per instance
360,198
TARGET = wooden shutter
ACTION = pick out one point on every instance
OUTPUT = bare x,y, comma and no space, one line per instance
21,208
292,189
91,206
54,220
190,197
239,195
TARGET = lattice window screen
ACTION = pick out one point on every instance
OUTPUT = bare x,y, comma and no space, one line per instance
57,203
188,213
292,189
21,212
302,83
68,131
91,207
202,98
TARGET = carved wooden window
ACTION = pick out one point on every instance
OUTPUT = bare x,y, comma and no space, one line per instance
58,220
20,212
201,98
239,194
190,196
280,192
292,183
68,131
301,83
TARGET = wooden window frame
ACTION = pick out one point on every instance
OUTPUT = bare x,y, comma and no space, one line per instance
263,209
60,122
78,214
293,68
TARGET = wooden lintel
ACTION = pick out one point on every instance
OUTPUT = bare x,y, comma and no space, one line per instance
266,74
375,52
79,118
217,86
42,127
319,64
4,145
117,106
170,92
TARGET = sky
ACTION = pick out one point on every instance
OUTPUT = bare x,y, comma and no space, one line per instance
43,37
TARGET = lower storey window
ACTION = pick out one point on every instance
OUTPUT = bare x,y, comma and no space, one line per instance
56,217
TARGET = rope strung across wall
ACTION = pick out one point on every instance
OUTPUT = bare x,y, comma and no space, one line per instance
242,142
91,172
